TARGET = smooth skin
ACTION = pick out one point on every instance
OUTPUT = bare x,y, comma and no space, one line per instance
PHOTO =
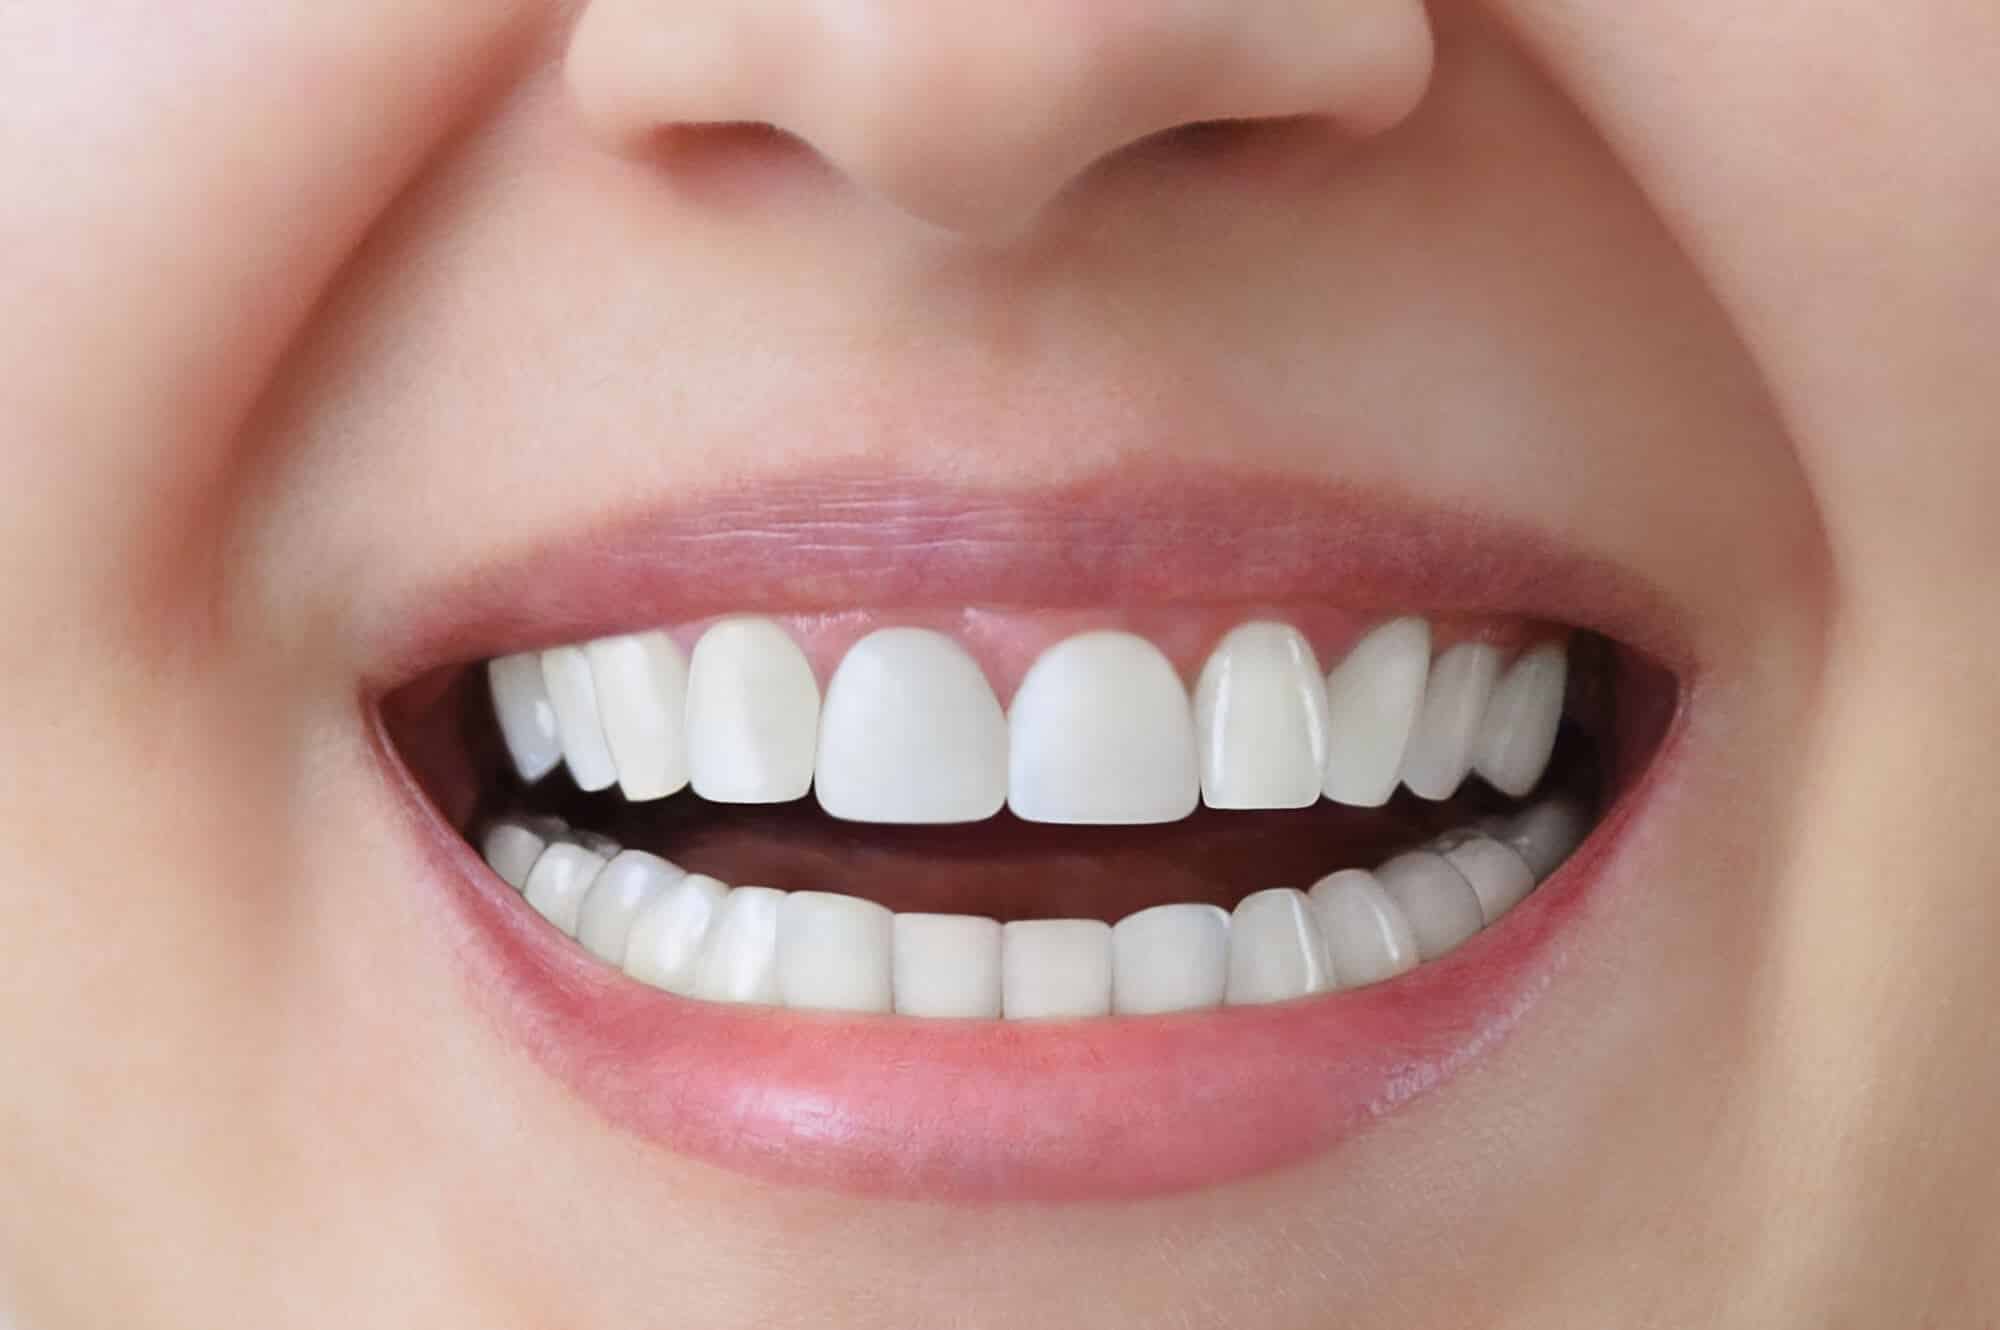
313,308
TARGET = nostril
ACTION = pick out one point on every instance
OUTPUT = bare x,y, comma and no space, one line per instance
729,162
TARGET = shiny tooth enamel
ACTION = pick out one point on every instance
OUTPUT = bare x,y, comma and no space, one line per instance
622,890
1373,699
752,714
911,733
947,966
835,953
739,955
664,946
1276,951
559,881
1546,833
566,672
1455,698
1055,968
1261,720
1102,733
1436,899
1518,734
1368,938
1169,958
510,850
641,684
1497,873
526,716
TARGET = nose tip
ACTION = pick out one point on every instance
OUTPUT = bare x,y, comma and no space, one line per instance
974,118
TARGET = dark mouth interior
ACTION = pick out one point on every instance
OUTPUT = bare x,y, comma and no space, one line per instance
1616,714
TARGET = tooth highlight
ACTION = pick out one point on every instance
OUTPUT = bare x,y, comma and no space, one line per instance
1276,952
566,672
641,686
911,733
947,965
1169,958
1497,874
559,880
1518,735
665,945
527,718
1440,752
1101,733
1435,898
1261,720
834,953
1055,968
1368,938
510,850
1373,698
622,890
739,957
752,714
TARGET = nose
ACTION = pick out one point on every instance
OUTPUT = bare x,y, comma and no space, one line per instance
973,116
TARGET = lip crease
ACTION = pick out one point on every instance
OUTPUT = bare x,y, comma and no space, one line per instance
995,1111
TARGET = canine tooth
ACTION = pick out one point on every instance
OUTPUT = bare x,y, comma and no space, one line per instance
1518,735
510,850
1055,968
1547,833
1276,952
1102,734
752,714
625,887
947,965
1498,875
1435,898
834,953
641,684
739,957
1440,752
1260,720
1373,698
1368,937
566,671
911,733
527,717
664,947
1169,958
558,882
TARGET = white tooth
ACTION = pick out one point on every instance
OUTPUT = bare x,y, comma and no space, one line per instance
911,733
1102,734
566,671
621,892
1169,958
527,717
1276,952
947,965
546,825
596,842
834,953
1518,735
1499,876
1055,968
1440,752
1373,698
641,683
739,957
510,850
1260,719
752,714
1367,936
664,947
559,881
1435,898
1547,833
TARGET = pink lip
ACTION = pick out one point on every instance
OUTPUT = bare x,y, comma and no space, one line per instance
992,1111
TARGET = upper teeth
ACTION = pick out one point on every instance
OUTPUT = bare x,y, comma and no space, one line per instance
1101,729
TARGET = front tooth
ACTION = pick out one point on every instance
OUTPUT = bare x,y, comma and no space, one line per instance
911,733
1547,833
664,947
1518,735
1435,898
752,715
1102,734
1368,938
1373,698
739,957
566,671
510,850
628,884
947,965
1498,875
559,881
1260,719
1169,958
1276,952
1055,968
641,685
527,717
834,953
1440,753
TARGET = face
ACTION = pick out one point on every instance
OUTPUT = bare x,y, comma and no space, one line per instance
1520,471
